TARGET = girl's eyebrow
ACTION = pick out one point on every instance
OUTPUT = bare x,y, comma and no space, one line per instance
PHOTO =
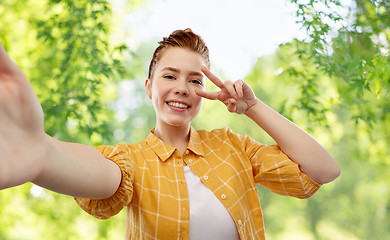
192,73
171,69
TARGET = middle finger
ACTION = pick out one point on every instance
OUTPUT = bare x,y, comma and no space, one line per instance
231,89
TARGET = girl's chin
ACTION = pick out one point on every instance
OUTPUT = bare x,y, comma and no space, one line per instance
177,123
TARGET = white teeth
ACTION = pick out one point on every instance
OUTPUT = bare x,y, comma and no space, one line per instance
178,105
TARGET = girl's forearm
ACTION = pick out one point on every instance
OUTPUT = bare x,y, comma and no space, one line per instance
297,144
78,170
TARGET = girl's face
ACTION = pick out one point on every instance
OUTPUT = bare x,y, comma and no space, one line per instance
172,88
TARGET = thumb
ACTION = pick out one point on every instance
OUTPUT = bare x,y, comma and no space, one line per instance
232,105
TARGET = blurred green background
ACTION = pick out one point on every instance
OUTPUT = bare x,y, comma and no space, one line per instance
334,83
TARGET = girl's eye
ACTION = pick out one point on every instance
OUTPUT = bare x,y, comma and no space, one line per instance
169,77
196,81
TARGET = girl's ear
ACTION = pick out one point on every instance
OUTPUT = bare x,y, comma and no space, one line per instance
148,88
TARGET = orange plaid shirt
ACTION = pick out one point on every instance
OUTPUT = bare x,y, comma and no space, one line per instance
154,189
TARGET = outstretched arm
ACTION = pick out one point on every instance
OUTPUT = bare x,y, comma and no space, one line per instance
297,144
28,154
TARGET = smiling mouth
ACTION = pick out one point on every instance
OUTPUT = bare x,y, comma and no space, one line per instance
178,105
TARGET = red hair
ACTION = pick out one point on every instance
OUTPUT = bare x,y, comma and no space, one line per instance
180,38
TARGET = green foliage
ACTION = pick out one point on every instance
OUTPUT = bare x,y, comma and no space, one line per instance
47,215
352,46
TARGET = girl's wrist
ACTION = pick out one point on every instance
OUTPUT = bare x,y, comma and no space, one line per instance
253,107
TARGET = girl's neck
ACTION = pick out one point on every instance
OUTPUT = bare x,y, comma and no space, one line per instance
176,136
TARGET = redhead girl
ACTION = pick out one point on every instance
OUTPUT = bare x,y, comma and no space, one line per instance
180,183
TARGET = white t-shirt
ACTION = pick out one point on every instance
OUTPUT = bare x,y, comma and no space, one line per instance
209,219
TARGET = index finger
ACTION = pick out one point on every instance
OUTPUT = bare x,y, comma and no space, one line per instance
218,82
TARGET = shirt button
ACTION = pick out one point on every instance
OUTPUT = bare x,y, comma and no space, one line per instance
187,151
206,177
239,222
190,161
223,196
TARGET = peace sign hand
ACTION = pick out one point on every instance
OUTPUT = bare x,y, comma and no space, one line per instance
237,96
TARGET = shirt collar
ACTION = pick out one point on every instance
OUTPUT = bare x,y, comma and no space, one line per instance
164,150
195,144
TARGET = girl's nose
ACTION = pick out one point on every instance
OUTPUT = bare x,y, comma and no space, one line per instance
182,89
